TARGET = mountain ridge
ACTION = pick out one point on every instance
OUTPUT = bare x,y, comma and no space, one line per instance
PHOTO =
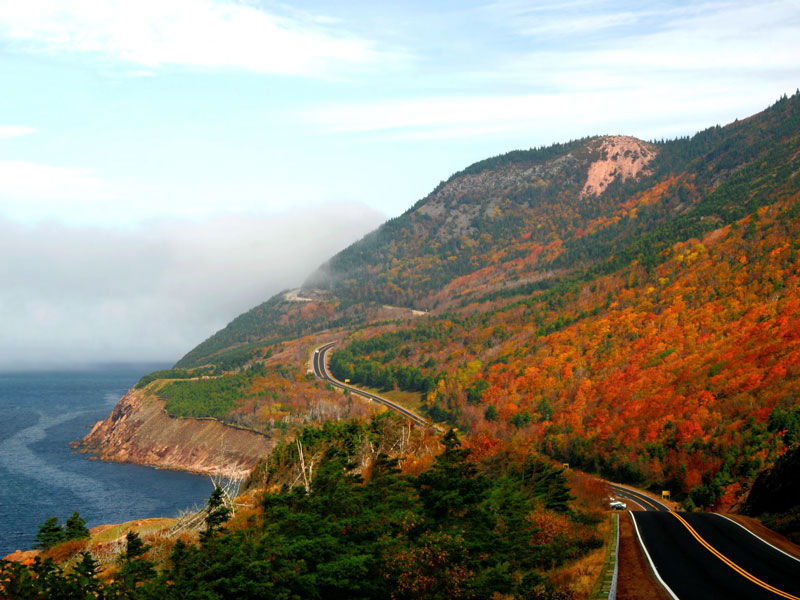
386,267
605,300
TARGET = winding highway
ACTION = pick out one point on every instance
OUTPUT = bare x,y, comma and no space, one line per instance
321,371
694,556
709,556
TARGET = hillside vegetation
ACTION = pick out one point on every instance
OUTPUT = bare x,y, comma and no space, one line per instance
629,307
365,520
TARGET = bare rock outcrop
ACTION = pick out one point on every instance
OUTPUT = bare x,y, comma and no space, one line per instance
140,431
622,157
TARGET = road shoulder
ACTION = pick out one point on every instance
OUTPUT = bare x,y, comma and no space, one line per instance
635,580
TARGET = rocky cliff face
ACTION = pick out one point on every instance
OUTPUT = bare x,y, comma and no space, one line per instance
140,431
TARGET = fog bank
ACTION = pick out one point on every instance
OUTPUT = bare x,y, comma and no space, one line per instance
77,295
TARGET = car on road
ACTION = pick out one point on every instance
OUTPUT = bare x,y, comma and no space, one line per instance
618,505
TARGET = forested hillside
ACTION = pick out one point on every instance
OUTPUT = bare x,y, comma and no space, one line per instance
628,306
529,218
379,512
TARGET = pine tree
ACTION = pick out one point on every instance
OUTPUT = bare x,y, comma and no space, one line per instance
84,577
134,569
50,534
75,528
135,547
453,488
218,513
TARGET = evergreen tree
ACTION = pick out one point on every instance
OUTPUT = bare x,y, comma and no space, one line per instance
134,569
134,547
75,528
50,534
218,513
84,577
453,488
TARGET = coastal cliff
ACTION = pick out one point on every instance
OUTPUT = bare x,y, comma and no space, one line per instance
140,431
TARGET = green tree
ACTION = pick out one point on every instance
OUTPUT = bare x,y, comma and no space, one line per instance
84,577
453,488
135,569
50,534
134,547
217,513
75,528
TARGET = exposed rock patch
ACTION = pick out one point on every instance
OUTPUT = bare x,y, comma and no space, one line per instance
623,157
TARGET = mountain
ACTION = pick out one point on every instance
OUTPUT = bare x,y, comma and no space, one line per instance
626,306
596,203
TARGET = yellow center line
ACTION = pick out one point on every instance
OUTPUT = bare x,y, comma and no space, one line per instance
635,497
730,563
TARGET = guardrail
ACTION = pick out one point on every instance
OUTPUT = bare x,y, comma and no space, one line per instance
606,586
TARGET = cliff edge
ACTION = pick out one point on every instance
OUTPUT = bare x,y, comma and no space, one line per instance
140,431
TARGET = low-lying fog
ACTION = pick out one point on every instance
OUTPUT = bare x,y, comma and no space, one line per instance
70,296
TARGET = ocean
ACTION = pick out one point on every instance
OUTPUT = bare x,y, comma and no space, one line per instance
41,475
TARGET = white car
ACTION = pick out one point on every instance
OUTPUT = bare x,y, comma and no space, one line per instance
618,505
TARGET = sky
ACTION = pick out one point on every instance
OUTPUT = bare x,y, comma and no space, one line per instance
166,165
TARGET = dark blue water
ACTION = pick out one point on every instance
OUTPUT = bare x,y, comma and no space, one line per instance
40,475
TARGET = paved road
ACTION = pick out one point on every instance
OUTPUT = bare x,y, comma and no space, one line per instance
707,556
321,371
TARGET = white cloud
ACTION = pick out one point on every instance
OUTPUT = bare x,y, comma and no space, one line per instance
199,33
9,131
702,64
33,181
562,116
74,295
34,191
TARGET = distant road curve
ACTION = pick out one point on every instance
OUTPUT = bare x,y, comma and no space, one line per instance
708,556
321,371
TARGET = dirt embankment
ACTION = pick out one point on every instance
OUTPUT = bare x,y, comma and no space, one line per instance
140,431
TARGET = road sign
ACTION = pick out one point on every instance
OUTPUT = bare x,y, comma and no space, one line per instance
665,495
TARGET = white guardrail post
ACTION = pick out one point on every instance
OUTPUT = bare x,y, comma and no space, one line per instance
612,593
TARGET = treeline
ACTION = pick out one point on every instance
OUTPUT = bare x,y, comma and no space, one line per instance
51,533
460,529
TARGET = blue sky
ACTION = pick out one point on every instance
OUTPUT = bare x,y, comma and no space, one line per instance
125,120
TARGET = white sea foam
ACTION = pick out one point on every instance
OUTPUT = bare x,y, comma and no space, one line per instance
17,456
40,413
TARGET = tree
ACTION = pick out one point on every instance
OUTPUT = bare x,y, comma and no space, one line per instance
452,490
75,528
84,577
50,534
134,547
134,569
217,514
